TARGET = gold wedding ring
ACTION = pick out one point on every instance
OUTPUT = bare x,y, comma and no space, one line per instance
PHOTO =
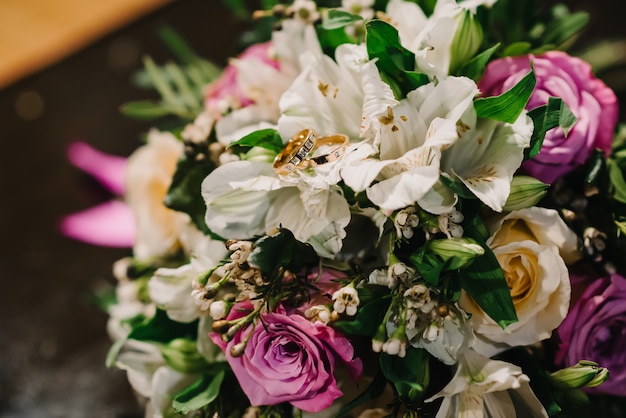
295,151
299,151
341,141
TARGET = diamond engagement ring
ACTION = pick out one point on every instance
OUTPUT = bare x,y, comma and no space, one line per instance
341,141
295,151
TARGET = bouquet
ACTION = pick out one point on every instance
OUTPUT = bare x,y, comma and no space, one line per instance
377,209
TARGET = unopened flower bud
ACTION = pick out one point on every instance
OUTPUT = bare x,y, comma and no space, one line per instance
395,347
237,349
456,217
583,374
455,230
467,39
210,292
218,310
182,355
525,192
261,154
460,251
220,326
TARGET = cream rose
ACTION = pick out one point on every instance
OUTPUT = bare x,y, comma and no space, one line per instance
148,177
531,246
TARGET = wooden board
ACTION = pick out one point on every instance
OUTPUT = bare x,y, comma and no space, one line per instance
37,33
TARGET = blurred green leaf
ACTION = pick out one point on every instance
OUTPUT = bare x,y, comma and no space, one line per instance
335,19
200,394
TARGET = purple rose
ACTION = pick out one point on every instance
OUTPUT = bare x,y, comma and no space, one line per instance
290,359
592,102
595,329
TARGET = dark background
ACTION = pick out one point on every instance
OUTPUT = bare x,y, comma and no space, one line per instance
52,338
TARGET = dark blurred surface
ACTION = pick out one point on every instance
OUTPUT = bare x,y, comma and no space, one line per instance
53,341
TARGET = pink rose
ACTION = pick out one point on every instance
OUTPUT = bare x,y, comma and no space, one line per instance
595,329
226,89
289,359
592,102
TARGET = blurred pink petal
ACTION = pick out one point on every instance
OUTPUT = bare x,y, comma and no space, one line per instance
110,224
107,169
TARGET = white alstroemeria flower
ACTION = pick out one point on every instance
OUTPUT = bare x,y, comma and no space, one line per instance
408,143
483,388
265,84
486,157
430,38
446,338
247,198
335,97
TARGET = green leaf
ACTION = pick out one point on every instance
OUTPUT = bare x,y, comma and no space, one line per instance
484,281
473,226
145,109
457,186
338,19
618,184
161,328
517,48
564,25
430,266
367,319
554,113
162,84
330,39
114,352
373,391
509,105
395,63
264,138
200,394
238,7
281,250
188,57
185,195
408,374
475,67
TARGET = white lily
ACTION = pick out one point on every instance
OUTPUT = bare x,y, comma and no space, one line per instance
487,388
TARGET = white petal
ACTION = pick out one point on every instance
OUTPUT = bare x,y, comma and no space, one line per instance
234,213
166,383
485,158
438,199
171,290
